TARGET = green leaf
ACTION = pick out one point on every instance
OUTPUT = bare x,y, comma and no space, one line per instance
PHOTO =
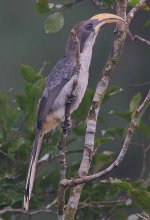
119,214
142,198
41,6
79,131
102,157
7,112
111,91
3,104
124,115
122,184
135,102
132,3
29,73
101,140
54,23
21,101
116,132
143,128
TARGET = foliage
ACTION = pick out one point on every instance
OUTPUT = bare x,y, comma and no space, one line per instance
17,122
55,21
116,197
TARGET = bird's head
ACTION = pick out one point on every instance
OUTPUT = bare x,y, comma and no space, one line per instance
86,31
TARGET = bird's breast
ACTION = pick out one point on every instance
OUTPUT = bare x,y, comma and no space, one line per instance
59,104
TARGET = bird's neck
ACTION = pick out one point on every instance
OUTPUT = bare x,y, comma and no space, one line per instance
85,56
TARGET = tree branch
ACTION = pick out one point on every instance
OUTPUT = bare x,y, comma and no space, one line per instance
93,114
65,128
133,11
95,107
100,204
121,155
22,211
137,37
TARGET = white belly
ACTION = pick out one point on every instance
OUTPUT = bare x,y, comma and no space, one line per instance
59,104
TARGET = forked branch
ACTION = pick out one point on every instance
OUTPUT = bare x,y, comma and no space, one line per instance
139,38
95,107
122,153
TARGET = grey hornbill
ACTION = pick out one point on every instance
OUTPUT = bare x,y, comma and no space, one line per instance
58,86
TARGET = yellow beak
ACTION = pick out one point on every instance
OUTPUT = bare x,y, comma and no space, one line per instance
106,18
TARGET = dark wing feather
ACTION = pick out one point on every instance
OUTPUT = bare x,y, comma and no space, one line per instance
60,75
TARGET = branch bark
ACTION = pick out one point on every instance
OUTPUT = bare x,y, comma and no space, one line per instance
65,128
122,153
22,211
134,10
137,37
94,110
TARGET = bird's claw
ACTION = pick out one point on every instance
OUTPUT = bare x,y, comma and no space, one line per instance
71,98
66,126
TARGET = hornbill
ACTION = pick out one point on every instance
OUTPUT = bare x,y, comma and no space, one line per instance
58,86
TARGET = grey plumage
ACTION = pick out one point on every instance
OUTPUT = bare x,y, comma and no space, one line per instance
32,167
55,81
58,86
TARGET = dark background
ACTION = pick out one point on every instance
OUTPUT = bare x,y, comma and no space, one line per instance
23,41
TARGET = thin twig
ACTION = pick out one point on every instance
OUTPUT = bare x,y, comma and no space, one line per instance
100,204
137,37
143,216
11,210
121,155
108,215
14,136
133,11
7,156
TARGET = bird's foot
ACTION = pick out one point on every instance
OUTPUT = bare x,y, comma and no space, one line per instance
66,126
71,98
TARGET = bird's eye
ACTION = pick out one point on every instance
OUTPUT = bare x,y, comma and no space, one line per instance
89,26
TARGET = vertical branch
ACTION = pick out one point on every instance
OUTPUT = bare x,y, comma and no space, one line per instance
62,154
65,128
107,71
94,110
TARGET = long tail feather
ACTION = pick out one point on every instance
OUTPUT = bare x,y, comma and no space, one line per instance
32,168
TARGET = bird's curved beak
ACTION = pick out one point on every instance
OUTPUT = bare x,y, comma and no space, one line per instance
106,18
